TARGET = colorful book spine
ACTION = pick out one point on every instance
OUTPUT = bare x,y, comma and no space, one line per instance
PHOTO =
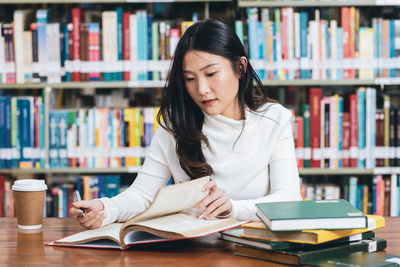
119,76
315,126
77,15
94,48
143,45
361,97
126,41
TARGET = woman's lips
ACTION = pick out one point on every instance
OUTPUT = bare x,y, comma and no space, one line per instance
208,101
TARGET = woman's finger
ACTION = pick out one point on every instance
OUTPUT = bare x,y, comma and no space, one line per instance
75,212
208,199
89,216
214,205
209,186
94,220
227,206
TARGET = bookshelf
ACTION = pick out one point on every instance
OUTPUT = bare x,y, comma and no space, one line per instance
61,179
71,171
307,36
102,1
77,85
315,3
381,83
127,170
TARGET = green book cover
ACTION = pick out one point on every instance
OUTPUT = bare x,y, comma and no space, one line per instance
155,48
309,215
307,129
360,259
307,254
14,131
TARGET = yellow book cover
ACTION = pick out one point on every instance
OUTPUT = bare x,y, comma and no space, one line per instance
156,124
129,117
138,134
86,188
185,25
257,230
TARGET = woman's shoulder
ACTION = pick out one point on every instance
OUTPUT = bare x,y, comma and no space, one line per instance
275,111
162,134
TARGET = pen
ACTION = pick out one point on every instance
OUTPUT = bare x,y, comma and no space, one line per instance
78,198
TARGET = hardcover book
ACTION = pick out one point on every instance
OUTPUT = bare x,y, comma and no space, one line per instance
167,218
306,254
312,214
359,259
237,236
258,230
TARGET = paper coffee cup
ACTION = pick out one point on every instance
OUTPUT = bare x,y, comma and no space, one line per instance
29,197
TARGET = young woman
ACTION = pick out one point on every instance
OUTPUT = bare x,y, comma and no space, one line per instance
217,120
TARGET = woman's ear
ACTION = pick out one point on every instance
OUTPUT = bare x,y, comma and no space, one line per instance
242,66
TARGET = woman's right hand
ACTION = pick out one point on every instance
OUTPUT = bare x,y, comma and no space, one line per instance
94,210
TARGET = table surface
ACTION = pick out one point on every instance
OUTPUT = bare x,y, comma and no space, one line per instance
19,249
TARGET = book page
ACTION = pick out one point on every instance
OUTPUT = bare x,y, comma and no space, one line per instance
139,237
184,224
110,231
172,199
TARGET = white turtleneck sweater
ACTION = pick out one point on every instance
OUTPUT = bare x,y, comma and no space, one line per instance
258,166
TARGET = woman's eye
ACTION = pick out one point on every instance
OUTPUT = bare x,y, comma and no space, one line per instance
189,79
211,74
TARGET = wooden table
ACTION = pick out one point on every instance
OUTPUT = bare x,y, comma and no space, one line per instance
18,249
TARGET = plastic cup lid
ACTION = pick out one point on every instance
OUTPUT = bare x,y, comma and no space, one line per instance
29,185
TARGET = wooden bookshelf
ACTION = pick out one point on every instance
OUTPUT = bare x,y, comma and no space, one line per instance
315,3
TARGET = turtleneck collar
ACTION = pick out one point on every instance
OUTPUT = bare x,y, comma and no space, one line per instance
226,124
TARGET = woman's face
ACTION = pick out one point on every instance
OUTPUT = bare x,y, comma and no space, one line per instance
212,83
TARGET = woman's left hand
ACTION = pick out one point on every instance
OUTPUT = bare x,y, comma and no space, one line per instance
217,203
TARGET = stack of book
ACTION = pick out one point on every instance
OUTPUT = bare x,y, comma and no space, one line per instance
309,233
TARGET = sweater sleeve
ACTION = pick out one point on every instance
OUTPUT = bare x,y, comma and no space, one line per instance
284,176
154,173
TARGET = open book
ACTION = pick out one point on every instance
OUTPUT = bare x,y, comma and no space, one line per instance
168,218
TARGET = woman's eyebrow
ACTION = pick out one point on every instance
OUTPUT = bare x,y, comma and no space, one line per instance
205,67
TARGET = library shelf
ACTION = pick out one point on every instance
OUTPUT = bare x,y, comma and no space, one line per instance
350,171
101,1
70,170
343,171
75,85
319,82
304,171
315,3
161,83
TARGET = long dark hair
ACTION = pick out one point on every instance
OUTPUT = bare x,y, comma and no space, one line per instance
179,113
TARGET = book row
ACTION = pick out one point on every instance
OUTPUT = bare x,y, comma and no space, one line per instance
347,131
100,138
116,46
87,138
380,197
59,197
293,44
355,130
